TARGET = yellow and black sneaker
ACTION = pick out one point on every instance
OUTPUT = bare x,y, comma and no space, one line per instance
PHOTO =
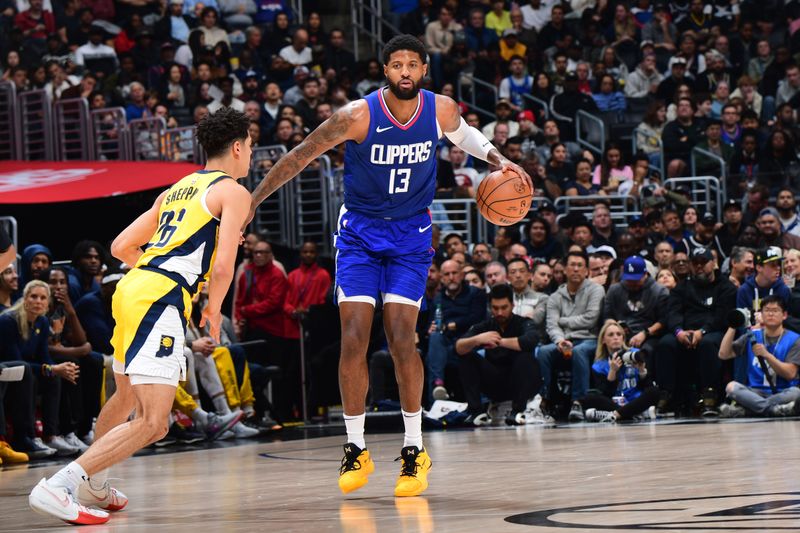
413,478
356,466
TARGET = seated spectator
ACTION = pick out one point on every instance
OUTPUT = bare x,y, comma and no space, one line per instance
439,39
208,25
24,330
506,368
667,279
779,165
706,165
527,302
95,55
558,170
541,277
9,285
643,81
687,353
608,97
771,355
766,281
35,24
572,315
227,100
496,274
94,313
173,92
237,14
786,205
679,137
540,243
566,105
757,65
676,235
626,388
612,170
582,234
604,232
742,265
88,258
298,53
637,303
80,401
583,185
663,255
137,108
771,233
36,260
461,306
503,111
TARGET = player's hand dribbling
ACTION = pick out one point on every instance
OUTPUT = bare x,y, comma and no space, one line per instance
509,165
214,321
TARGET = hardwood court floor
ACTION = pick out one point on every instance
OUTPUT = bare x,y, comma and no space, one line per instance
697,476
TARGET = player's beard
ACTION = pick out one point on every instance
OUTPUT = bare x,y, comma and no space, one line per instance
405,94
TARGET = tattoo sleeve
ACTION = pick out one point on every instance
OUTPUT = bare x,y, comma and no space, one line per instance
326,136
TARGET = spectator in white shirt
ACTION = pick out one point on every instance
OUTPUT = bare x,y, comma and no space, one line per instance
298,53
95,49
536,14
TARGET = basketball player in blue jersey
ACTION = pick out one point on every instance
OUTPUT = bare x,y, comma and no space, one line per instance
383,240
189,237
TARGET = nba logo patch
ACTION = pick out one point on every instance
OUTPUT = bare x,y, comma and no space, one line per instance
165,346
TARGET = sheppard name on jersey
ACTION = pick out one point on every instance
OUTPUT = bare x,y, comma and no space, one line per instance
184,193
400,154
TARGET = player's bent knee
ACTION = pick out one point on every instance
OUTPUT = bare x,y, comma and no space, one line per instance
729,388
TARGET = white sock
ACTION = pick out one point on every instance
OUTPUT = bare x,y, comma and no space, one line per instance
413,425
98,480
200,418
221,404
355,429
69,477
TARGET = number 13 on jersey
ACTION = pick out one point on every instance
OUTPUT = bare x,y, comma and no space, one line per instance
402,175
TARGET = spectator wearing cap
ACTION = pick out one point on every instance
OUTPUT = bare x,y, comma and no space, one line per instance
638,302
517,84
600,261
295,93
439,39
704,234
503,110
643,81
766,281
715,73
637,227
572,314
96,51
531,135
566,105
786,206
695,322
511,46
769,228
209,17
677,76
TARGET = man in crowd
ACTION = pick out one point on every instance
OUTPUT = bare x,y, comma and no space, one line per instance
506,368
527,302
572,318
767,281
742,265
695,327
461,307
769,226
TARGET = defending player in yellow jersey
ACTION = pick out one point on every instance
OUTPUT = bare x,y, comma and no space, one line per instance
189,236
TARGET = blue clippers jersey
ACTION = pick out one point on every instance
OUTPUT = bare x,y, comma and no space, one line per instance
392,173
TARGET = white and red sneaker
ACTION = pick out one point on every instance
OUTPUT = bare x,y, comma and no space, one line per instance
107,498
59,503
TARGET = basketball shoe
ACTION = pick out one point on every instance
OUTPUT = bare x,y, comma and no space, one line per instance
9,456
107,497
413,478
356,467
59,503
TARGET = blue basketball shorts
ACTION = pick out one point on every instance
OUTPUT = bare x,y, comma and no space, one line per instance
382,258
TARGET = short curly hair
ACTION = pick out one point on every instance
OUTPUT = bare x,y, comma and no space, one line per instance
218,131
404,42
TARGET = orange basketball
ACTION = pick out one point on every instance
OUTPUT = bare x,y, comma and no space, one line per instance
504,198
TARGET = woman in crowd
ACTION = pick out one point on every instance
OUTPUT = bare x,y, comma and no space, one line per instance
540,244
9,285
80,401
746,90
666,278
648,132
608,96
612,171
24,331
543,90
778,165
626,390
683,90
558,170
690,219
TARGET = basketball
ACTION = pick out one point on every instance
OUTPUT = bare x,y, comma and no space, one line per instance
504,198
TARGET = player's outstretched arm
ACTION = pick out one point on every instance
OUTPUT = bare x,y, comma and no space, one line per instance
348,123
233,199
127,247
470,139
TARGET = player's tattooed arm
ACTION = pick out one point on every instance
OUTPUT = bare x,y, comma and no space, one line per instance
348,123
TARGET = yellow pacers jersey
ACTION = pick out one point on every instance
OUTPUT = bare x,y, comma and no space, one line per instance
185,242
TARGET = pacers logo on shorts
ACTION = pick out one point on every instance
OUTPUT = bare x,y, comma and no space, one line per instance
165,346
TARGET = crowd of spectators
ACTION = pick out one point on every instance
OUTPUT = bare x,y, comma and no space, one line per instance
541,316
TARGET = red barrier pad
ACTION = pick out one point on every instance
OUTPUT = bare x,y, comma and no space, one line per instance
34,182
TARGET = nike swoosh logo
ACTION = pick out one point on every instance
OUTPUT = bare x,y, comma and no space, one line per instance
421,230
381,130
64,502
